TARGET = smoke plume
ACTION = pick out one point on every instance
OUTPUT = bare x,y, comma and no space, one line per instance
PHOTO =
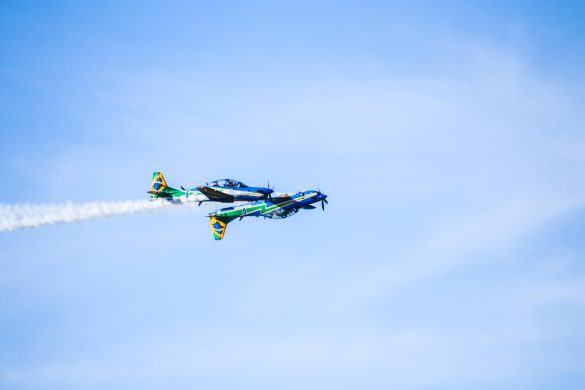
21,216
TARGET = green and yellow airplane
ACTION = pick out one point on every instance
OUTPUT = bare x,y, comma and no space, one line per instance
281,206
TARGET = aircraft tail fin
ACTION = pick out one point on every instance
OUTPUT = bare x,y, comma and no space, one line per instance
218,226
159,186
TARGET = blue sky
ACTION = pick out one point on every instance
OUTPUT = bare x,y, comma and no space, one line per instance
448,135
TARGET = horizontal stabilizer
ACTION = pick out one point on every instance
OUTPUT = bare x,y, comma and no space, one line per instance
160,194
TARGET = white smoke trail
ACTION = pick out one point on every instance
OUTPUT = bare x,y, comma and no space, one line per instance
21,216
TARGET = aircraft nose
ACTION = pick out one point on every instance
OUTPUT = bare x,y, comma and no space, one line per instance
321,196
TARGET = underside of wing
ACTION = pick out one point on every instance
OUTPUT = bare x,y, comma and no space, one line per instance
280,199
215,195
282,213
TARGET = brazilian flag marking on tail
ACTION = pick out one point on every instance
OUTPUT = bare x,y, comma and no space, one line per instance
158,184
218,226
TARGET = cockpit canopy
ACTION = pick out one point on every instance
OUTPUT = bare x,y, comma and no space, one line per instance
227,183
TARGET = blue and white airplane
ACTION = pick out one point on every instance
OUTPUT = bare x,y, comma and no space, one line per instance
229,190
224,191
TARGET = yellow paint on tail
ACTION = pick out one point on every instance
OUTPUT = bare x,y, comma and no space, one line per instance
218,227
158,183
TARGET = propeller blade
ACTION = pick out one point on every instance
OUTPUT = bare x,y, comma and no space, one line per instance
326,201
323,205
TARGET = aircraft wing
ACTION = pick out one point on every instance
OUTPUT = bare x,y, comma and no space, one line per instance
215,195
280,199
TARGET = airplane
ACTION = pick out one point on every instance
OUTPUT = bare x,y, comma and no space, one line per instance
229,190
276,207
225,191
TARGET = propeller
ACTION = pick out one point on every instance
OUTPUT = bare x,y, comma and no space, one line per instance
322,201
